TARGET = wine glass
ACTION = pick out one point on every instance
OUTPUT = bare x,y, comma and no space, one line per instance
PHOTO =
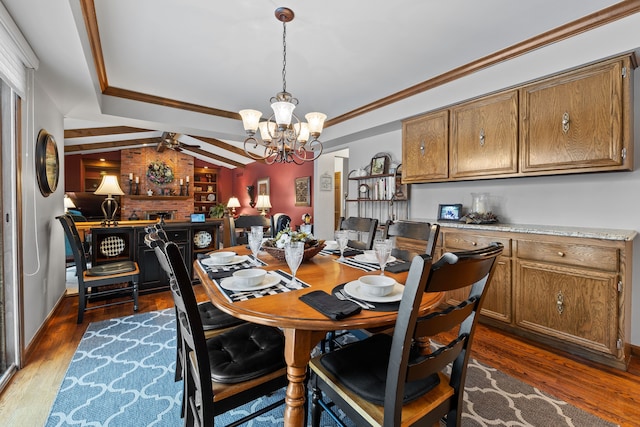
293,252
255,241
342,237
382,248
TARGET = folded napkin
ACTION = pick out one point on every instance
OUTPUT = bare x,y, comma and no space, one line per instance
347,252
330,306
398,267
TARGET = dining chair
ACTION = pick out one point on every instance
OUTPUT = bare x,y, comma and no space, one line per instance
279,221
95,283
398,380
227,370
412,238
366,227
238,227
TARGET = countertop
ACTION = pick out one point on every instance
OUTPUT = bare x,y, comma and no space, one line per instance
552,230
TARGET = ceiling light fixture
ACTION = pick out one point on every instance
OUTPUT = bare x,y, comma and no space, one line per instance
284,138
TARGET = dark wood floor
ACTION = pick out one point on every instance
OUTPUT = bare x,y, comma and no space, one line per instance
608,393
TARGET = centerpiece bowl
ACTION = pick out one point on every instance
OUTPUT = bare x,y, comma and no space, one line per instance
275,246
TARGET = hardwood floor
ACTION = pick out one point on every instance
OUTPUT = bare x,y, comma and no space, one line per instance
608,393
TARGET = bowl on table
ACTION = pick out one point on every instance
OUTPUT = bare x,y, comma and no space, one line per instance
330,245
223,257
376,286
370,255
249,277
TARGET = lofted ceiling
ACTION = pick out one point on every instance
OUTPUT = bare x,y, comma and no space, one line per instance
123,72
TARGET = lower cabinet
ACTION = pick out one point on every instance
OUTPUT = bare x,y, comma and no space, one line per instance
568,292
152,276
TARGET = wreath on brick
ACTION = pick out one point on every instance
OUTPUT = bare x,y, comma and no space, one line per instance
159,172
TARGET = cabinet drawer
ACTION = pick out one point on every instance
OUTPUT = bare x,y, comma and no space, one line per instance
465,241
181,235
570,254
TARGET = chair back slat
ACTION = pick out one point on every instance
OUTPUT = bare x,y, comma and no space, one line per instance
442,321
417,233
436,361
70,230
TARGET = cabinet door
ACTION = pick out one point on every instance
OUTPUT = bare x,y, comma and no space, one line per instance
425,148
578,121
484,137
152,276
573,305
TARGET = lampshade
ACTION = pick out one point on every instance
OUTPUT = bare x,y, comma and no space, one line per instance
68,203
250,119
316,122
233,202
302,129
267,129
263,202
283,112
109,186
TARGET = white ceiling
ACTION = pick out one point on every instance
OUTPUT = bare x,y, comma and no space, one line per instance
341,55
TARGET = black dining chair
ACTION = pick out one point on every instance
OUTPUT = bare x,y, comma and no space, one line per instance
238,227
95,283
412,238
398,380
366,229
228,370
279,222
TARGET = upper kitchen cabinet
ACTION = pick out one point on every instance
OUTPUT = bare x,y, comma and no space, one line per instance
484,137
580,121
425,142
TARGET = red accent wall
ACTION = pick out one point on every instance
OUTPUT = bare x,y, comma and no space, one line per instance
282,188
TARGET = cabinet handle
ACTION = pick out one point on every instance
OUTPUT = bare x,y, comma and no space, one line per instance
560,253
422,148
481,137
560,302
474,243
565,122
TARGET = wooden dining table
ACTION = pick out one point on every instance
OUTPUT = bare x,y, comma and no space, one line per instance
303,326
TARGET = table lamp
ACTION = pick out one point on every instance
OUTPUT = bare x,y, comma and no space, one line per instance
233,203
109,186
263,203
68,203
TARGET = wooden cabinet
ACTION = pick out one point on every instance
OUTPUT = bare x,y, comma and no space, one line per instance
568,292
484,137
579,121
152,276
425,148
497,303
205,189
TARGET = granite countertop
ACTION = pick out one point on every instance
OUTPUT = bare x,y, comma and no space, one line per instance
553,230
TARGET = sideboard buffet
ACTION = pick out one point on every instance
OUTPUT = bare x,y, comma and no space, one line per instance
566,287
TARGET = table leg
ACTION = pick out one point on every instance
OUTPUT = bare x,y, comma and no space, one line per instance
297,353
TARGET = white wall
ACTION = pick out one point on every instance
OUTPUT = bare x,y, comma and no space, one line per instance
44,253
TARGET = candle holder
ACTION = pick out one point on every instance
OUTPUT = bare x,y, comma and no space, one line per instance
187,189
181,190
137,192
130,186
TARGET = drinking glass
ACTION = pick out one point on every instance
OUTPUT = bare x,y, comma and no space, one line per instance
342,237
293,252
255,240
382,248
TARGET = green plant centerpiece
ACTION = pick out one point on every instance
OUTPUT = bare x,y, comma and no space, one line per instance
217,211
275,246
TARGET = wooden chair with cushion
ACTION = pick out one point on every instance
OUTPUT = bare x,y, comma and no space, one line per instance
95,283
368,226
227,370
412,238
398,380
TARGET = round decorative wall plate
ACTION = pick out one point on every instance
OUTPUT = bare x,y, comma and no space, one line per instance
202,239
47,163
211,197
112,246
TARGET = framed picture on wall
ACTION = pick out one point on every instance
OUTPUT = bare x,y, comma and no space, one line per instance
379,165
263,186
303,191
326,182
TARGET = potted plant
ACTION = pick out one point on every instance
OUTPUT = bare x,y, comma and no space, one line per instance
217,211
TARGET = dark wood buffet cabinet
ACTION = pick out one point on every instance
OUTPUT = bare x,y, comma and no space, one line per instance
126,241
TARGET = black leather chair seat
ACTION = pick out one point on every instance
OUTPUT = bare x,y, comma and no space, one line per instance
213,318
112,268
245,352
362,368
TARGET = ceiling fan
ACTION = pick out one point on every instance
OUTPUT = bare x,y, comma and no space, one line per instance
170,140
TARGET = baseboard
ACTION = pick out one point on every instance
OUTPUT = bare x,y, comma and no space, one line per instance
635,351
41,330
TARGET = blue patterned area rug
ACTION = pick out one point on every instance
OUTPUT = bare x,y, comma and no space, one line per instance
122,375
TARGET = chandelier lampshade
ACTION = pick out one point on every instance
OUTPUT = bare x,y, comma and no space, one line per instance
283,138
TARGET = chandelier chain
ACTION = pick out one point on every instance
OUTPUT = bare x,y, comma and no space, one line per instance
284,56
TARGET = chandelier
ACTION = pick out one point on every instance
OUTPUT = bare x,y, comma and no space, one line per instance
283,137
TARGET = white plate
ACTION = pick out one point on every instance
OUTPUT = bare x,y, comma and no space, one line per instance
238,259
231,284
353,289
364,258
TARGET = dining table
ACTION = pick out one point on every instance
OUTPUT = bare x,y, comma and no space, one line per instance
303,326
